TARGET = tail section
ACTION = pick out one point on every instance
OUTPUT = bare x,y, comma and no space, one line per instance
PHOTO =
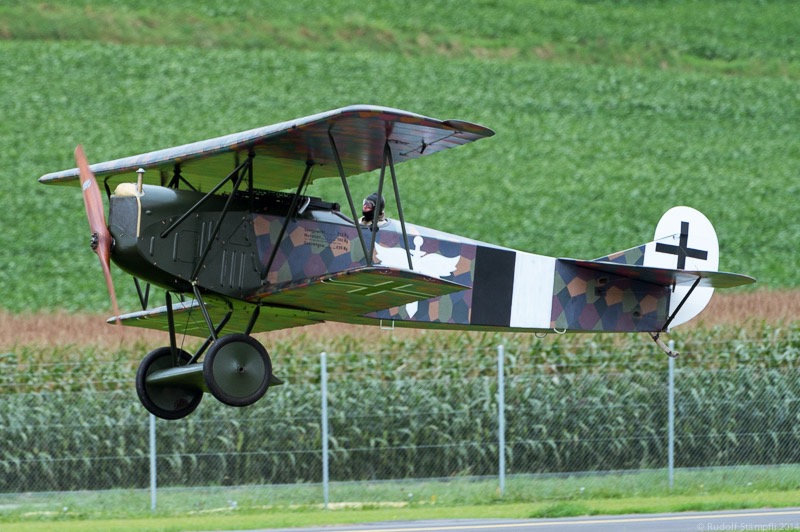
684,240
683,259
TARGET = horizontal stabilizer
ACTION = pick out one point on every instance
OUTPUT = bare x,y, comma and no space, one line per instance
665,276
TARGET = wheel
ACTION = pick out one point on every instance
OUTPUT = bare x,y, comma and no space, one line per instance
237,370
166,402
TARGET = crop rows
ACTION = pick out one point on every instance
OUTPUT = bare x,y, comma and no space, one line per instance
585,161
385,356
430,414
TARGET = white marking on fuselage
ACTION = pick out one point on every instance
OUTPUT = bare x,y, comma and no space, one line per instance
532,298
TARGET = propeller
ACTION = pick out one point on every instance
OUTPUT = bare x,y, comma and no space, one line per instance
101,237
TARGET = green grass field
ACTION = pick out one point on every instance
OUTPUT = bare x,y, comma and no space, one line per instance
622,373
606,116
260,507
606,113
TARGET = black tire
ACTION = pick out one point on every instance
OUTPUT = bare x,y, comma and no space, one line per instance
166,402
237,370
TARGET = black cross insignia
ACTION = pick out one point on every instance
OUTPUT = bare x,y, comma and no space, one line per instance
682,250
367,289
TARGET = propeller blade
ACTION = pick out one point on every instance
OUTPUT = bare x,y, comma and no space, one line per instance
95,213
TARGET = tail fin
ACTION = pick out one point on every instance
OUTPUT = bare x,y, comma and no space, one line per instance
684,240
683,255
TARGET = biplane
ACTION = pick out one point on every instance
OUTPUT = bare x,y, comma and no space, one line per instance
226,228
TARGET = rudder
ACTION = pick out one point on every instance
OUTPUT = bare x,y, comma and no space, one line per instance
684,240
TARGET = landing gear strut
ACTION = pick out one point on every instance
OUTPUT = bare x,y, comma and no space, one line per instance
236,370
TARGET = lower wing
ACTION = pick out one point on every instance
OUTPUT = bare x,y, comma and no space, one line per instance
344,296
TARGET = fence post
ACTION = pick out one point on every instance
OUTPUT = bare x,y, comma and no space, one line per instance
153,463
324,384
671,427
501,418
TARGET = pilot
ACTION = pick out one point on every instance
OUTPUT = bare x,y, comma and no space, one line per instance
368,209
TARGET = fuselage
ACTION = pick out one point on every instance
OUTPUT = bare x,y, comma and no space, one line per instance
504,288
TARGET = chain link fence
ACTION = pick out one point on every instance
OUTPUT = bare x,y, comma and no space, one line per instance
433,415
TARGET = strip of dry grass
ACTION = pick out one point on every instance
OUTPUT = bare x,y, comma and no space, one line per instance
59,329
750,308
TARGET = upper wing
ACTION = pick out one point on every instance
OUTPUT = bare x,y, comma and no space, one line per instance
343,297
283,150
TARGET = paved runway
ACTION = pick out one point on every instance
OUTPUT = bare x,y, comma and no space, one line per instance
772,519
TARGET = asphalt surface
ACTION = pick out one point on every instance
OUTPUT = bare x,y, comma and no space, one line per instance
771,519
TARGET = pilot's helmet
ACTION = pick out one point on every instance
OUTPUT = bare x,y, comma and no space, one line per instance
368,207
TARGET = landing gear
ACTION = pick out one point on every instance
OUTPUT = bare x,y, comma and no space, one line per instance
237,370
162,398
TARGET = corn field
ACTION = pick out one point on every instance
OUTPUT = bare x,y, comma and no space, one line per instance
572,406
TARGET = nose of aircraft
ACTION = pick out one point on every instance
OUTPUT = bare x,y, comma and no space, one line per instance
101,237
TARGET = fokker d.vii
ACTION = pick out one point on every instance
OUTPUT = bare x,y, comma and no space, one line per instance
227,222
